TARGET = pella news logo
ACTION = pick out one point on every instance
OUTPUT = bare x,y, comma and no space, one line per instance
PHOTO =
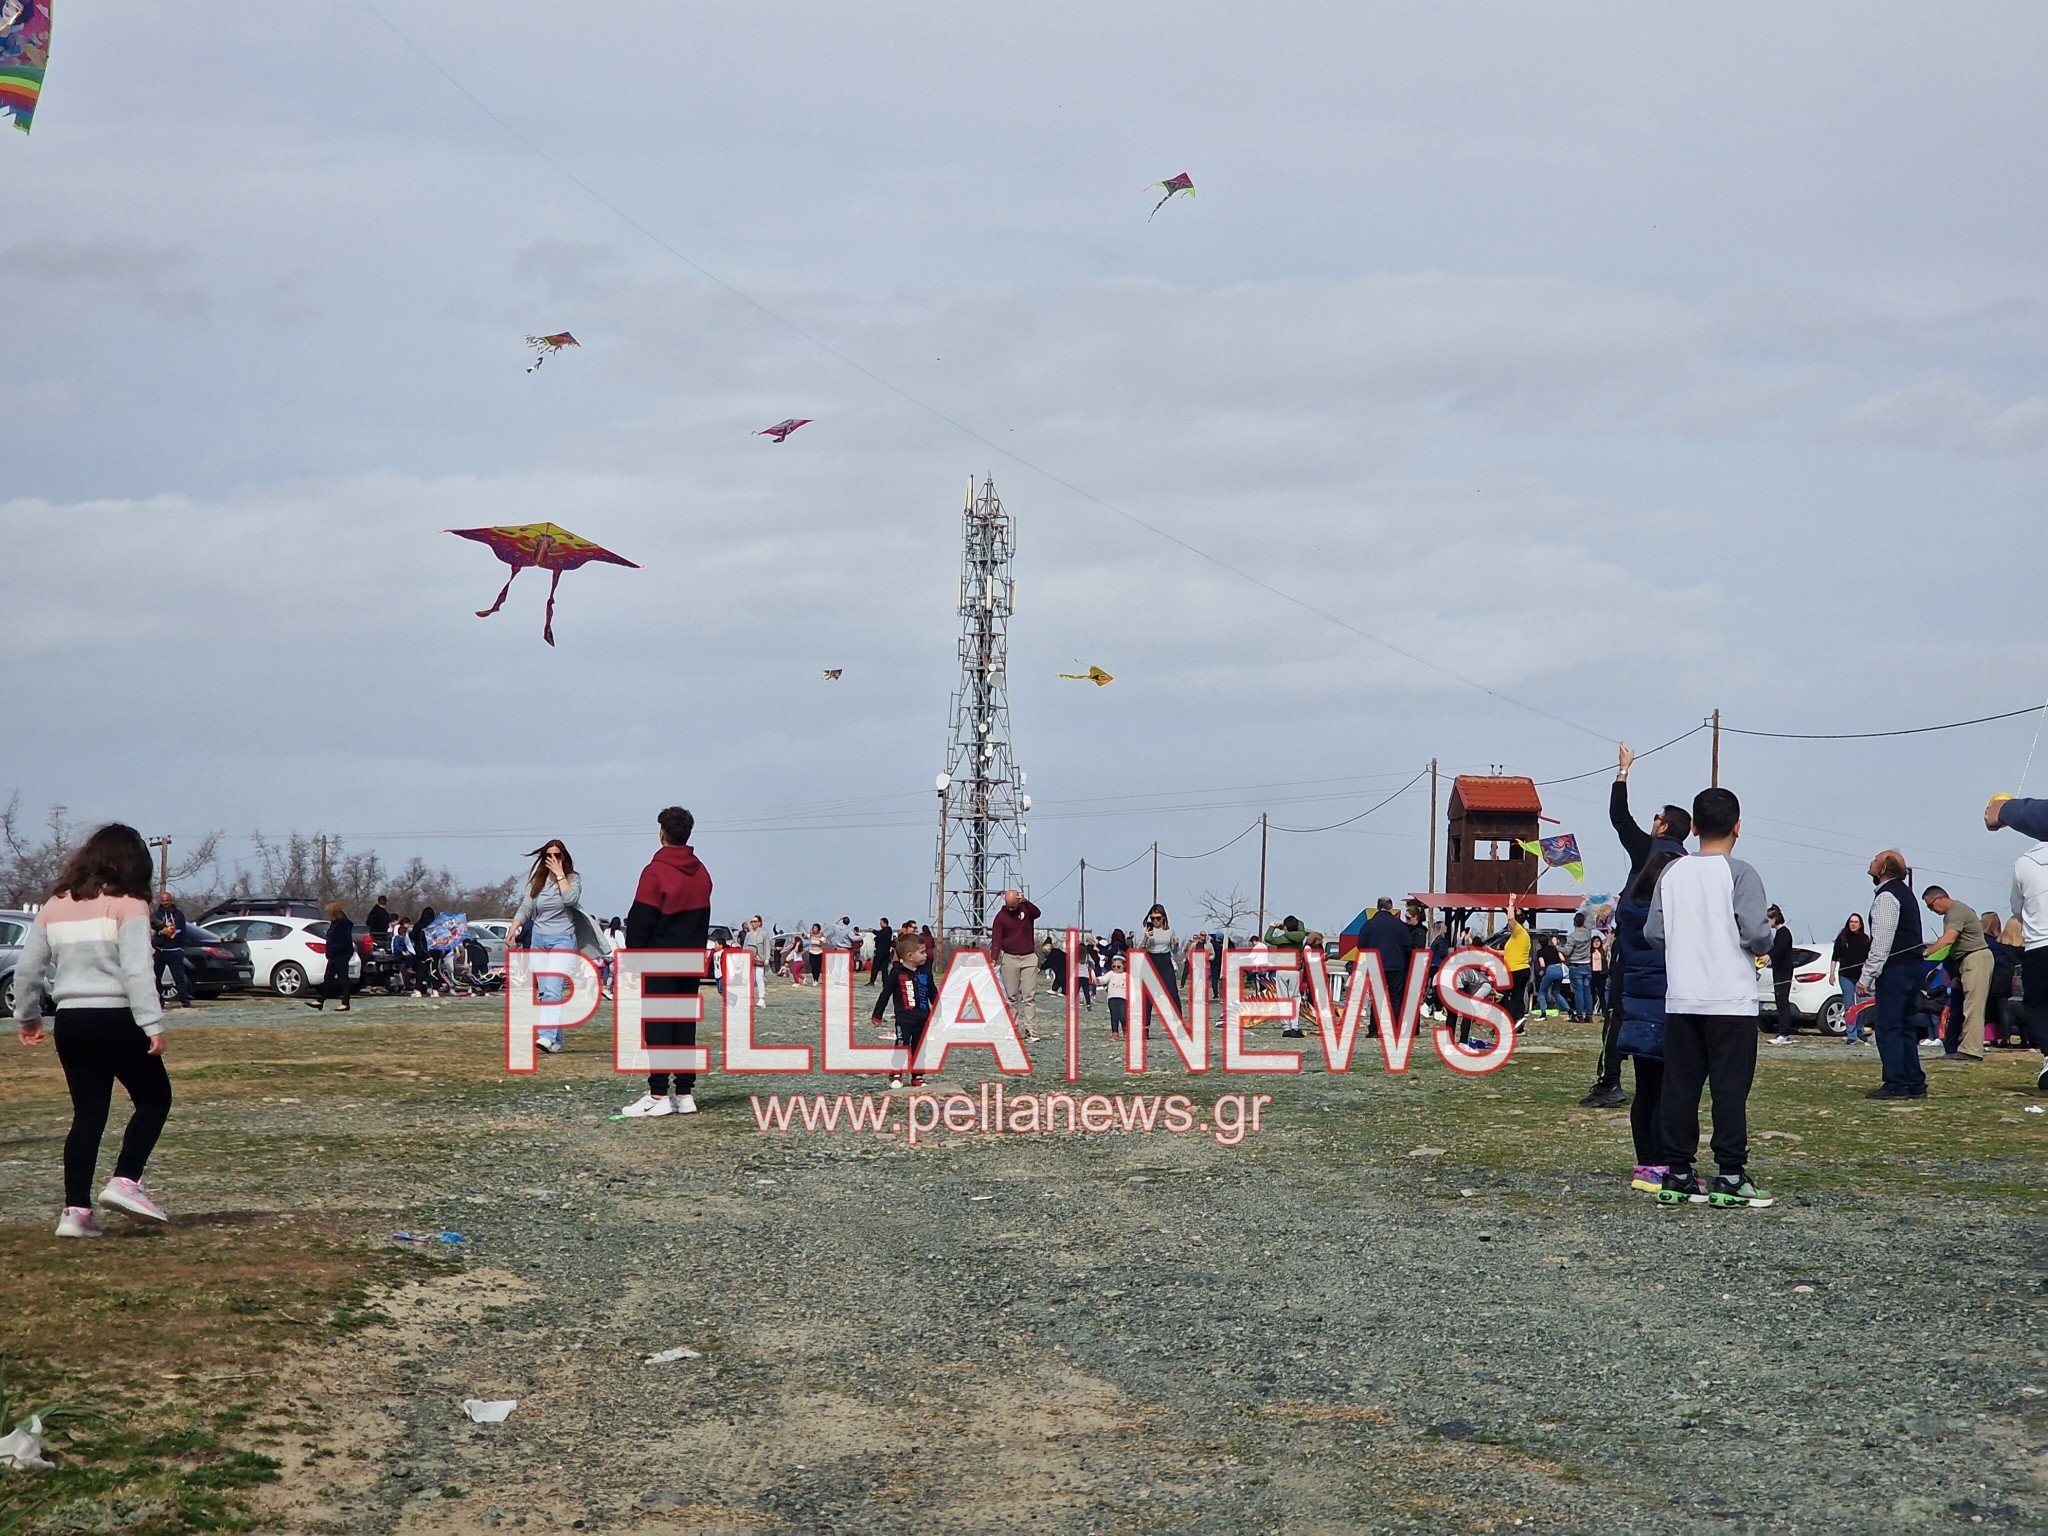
971,1012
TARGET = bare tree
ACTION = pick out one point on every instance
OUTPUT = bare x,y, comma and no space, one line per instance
29,866
1222,914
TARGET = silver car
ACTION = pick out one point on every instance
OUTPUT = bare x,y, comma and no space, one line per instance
14,927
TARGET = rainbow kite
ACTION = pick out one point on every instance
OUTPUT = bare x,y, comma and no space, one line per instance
24,55
1560,852
542,545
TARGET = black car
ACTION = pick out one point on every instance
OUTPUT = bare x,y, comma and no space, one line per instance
264,906
213,965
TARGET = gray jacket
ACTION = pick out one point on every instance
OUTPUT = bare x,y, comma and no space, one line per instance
590,939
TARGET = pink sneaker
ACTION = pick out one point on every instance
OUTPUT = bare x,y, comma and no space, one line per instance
127,1195
78,1221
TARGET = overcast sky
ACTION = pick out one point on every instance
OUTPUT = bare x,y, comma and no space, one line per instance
1627,360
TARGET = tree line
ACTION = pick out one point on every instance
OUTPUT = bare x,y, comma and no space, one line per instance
318,866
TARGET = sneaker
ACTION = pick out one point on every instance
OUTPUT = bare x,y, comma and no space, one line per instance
1605,1096
895,1083
917,1079
647,1107
1888,1093
79,1221
1649,1177
1781,1039
127,1195
552,1046
1734,1189
1681,1188
682,1104
2041,1082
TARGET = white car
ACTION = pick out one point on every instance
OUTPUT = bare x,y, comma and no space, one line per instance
493,933
287,954
1815,999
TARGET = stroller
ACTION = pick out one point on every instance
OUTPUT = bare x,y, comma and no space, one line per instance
1929,1008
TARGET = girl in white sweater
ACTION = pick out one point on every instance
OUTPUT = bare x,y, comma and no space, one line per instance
94,932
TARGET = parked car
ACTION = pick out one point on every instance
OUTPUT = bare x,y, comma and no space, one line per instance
1815,999
263,906
287,954
214,963
494,933
14,927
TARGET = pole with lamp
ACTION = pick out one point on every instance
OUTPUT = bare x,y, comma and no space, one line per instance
945,785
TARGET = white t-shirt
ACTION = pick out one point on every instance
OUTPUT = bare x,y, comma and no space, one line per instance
2030,894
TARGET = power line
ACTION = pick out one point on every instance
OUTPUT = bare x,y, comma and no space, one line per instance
1610,768
1916,730
1247,832
1397,794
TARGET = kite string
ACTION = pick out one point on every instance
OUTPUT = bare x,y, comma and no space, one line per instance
2029,767
937,414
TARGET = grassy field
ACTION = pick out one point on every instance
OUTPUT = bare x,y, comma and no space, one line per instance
172,1360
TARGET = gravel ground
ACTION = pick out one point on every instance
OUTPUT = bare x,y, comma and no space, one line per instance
1312,1331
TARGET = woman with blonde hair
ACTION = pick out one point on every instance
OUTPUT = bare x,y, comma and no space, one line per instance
553,905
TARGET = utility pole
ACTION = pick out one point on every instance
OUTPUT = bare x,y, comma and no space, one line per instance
1432,825
1082,921
1262,877
1715,780
162,845
326,881
1155,871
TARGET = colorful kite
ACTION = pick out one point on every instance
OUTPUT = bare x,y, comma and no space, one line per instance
545,347
832,674
24,55
1181,183
1560,852
446,932
543,545
781,430
1095,675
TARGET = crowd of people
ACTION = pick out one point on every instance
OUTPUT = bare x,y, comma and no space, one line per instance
1670,968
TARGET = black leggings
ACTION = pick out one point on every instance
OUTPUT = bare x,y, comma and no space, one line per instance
98,1047
1646,1110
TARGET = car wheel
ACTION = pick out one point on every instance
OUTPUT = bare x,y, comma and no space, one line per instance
288,979
7,996
1831,1016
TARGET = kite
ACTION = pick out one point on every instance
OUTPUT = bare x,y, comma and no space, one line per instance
24,54
1095,675
542,545
545,346
1560,852
446,932
832,674
1181,183
781,430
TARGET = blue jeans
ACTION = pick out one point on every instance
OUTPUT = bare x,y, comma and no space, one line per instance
1582,990
1551,995
1897,1047
552,988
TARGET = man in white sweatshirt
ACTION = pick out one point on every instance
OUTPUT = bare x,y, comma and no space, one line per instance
1709,917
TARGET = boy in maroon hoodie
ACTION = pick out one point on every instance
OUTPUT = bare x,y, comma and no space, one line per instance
671,910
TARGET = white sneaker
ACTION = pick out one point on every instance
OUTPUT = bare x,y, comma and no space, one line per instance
79,1221
552,1047
128,1195
682,1104
1781,1040
647,1107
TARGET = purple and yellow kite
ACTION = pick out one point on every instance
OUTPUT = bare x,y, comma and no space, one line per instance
1181,183
24,55
544,545
1561,852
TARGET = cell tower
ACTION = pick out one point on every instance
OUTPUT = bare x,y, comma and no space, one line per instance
981,835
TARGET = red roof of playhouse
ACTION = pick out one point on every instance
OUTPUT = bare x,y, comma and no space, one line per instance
1507,795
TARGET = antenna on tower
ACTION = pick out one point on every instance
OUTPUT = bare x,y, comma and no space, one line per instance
981,838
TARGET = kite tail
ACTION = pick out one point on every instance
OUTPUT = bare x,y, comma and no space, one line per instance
547,629
485,613
538,361
1156,207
